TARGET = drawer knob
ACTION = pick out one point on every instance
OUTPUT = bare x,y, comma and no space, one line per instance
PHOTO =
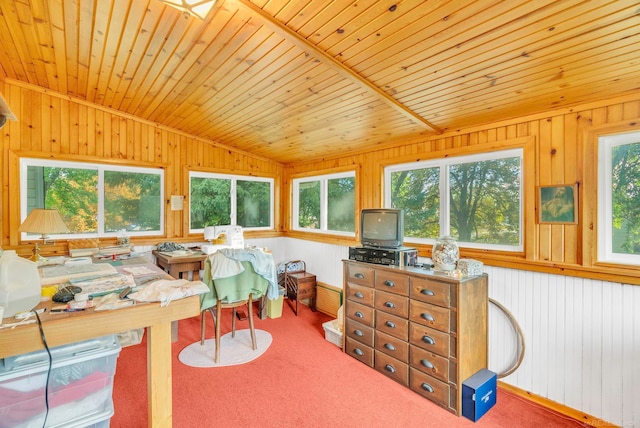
390,324
426,363
427,317
389,346
358,351
427,292
390,368
359,275
428,339
389,283
359,314
389,305
359,295
358,333
427,387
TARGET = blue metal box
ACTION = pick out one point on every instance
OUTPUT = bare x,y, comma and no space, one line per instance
479,394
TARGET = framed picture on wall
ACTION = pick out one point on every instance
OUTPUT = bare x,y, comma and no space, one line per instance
558,204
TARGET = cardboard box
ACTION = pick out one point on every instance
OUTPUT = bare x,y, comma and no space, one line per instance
479,394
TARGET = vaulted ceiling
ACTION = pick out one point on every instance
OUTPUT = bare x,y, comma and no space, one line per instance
304,79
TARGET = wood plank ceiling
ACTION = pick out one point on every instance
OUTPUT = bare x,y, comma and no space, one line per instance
306,79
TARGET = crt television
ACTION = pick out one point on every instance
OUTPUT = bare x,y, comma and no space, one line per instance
381,227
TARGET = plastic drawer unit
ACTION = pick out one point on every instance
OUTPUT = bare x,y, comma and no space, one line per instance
80,385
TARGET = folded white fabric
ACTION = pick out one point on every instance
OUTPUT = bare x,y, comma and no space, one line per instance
165,290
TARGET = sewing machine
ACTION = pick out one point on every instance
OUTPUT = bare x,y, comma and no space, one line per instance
234,238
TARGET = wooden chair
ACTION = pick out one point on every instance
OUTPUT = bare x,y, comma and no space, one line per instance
231,292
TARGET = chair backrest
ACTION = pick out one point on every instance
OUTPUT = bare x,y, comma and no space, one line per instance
233,288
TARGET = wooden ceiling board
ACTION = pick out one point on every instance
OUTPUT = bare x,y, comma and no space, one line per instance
305,79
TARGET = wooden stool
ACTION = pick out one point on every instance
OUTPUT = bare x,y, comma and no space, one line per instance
300,286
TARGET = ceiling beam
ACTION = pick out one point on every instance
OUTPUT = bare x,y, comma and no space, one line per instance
345,71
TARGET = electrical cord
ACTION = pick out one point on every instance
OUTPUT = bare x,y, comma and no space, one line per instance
46,387
521,344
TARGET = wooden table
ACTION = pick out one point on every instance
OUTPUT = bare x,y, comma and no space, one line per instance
178,266
62,329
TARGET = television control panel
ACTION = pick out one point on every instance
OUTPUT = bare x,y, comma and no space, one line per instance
401,256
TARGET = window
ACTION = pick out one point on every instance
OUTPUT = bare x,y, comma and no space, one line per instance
475,199
220,199
619,198
325,203
94,199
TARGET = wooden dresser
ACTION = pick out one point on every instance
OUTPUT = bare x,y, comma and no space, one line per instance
426,331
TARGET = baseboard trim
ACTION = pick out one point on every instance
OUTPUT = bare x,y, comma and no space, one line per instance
556,407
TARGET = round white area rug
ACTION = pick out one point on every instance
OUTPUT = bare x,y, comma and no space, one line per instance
233,350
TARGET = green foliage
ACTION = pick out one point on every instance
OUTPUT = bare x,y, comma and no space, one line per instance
253,199
309,205
341,204
210,202
626,198
73,192
417,192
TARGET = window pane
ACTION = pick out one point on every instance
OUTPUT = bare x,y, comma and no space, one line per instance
625,179
485,201
253,200
417,192
341,204
131,201
210,202
71,191
309,205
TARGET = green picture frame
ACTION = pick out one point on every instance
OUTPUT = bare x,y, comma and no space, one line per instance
558,204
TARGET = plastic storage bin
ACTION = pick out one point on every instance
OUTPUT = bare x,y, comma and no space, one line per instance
332,334
274,307
80,385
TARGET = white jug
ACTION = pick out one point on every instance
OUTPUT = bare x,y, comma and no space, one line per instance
20,286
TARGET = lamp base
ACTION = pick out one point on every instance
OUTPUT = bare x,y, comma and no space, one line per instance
36,257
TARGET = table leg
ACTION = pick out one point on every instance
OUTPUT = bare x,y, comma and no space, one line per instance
159,384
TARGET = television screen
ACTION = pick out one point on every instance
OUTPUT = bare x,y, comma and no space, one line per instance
381,227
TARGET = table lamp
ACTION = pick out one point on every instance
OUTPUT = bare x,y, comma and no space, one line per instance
43,221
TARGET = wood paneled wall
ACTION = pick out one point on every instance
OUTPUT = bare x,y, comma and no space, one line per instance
54,126
556,152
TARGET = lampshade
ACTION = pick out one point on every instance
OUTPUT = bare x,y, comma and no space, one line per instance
198,8
44,221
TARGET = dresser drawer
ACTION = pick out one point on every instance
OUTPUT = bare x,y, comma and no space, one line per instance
359,332
393,325
397,348
392,303
361,313
392,282
430,315
362,275
359,351
392,368
430,339
432,364
361,294
437,391
430,291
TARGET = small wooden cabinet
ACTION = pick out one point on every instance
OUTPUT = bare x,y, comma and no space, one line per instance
301,286
424,330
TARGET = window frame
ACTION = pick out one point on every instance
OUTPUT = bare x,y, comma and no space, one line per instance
324,201
234,178
444,164
606,142
26,162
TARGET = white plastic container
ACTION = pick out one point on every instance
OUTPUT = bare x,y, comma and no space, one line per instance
20,287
